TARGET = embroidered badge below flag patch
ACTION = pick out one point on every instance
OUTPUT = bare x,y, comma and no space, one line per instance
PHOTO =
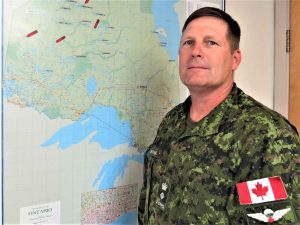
261,190
276,212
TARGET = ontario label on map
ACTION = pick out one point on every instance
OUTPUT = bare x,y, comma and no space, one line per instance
41,214
105,206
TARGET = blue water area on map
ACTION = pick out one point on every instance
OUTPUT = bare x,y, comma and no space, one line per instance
44,72
102,123
9,89
129,218
67,60
166,18
112,169
91,85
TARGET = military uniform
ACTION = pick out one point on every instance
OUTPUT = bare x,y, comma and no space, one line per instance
191,170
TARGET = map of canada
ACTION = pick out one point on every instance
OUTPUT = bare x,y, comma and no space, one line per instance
86,84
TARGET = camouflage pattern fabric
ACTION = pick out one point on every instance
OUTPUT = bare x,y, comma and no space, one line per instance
191,172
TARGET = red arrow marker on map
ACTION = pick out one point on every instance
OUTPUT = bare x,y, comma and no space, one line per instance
86,1
31,33
60,39
96,24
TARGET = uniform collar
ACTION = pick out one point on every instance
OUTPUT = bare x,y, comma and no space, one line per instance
210,124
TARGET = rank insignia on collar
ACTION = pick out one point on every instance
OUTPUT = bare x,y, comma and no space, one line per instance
163,193
269,216
164,186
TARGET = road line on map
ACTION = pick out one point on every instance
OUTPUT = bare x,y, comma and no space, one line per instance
60,39
96,24
32,33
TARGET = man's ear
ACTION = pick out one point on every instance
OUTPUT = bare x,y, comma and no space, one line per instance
237,58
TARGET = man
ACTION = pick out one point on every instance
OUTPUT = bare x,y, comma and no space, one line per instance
216,139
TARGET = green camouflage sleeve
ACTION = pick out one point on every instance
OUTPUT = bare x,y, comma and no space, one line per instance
269,149
282,159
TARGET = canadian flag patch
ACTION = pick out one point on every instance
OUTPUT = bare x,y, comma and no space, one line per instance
261,190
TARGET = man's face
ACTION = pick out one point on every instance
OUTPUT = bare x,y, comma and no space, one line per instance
205,57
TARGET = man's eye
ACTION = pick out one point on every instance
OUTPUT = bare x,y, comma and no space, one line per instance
188,42
212,42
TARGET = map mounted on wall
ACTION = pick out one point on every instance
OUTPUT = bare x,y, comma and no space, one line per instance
85,86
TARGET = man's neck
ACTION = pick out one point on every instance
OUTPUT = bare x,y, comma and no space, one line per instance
203,104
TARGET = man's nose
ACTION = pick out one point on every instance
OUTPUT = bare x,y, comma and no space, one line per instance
197,51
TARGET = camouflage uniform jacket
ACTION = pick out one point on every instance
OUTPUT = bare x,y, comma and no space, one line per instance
190,174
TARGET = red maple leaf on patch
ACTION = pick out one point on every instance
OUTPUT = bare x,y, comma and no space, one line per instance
260,191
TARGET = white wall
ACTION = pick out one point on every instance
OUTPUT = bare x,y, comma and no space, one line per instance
256,72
